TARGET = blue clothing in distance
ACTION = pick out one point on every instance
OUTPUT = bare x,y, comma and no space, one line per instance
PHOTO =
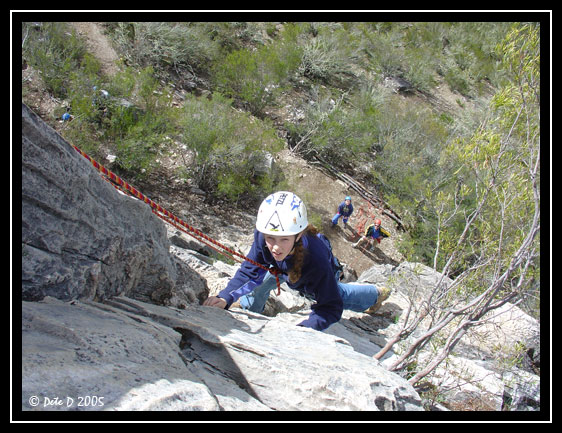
344,211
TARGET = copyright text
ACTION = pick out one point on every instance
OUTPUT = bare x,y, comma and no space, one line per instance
66,402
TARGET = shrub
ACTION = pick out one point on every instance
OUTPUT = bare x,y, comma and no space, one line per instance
132,121
169,47
55,51
242,76
255,78
328,58
343,134
224,150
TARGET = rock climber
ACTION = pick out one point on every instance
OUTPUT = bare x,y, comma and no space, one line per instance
345,209
372,233
285,241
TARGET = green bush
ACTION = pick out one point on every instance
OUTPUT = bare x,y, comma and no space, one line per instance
140,129
168,47
255,77
342,134
55,51
225,150
132,120
328,58
241,76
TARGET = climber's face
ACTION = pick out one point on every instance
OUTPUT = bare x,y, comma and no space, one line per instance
280,246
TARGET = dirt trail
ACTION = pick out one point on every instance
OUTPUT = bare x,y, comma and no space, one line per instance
98,45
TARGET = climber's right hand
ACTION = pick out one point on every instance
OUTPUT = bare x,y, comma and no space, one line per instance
215,301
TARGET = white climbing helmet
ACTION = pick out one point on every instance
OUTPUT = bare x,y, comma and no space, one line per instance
282,213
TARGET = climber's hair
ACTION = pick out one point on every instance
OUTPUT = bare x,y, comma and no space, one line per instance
299,253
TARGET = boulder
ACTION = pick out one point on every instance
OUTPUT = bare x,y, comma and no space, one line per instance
398,84
83,239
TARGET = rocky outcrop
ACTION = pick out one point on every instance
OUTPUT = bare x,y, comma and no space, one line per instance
131,355
82,239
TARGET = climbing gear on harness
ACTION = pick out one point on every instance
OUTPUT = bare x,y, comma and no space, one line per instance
170,218
282,213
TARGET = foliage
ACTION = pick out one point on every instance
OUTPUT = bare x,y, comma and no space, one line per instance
134,117
257,77
339,134
488,216
53,50
328,57
168,47
350,119
241,75
226,152
498,164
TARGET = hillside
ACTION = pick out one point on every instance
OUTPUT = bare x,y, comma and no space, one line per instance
322,193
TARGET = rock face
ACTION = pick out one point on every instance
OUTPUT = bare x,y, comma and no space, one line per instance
81,239
138,356
111,318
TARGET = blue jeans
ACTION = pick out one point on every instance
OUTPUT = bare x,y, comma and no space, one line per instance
255,301
358,297
355,296
337,217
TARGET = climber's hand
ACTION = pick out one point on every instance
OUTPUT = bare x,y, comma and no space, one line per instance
215,301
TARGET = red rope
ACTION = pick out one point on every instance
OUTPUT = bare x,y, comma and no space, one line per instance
170,218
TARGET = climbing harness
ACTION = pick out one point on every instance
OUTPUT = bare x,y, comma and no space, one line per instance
173,220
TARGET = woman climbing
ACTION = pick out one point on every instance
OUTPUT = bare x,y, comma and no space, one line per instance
284,241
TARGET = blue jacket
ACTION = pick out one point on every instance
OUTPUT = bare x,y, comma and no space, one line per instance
317,279
344,209
375,234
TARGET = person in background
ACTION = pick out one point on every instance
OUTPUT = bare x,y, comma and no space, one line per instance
345,209
373,233
286,242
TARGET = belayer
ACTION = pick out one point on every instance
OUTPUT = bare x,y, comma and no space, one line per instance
284,240
345,209
373,233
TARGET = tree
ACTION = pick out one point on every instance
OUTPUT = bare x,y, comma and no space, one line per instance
488,216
